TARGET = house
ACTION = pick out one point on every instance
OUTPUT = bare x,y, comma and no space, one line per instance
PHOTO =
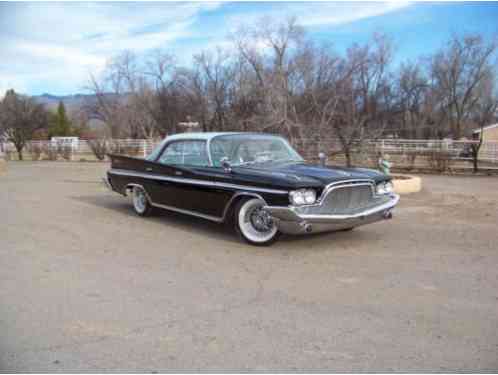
490,133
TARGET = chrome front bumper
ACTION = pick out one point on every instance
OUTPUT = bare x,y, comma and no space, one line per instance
291,222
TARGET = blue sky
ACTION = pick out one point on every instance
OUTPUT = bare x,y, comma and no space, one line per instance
52,47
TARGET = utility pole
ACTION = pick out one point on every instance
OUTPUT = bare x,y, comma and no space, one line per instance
189,126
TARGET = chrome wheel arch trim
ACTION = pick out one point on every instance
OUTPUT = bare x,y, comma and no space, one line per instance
132,185
237,195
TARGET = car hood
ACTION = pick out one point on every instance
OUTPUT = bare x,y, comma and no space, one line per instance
303,174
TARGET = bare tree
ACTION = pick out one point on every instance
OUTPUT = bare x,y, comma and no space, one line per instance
20,116
276,80
268,49
483,113
246,99
213,77
110,90
412,88
458,70
364,92
166,79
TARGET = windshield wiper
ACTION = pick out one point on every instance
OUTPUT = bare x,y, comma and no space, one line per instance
266,161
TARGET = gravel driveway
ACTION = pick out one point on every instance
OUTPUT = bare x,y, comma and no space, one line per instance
86,285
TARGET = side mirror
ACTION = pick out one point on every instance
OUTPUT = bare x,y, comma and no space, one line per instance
226,164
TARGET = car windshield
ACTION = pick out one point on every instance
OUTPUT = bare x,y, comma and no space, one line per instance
246,150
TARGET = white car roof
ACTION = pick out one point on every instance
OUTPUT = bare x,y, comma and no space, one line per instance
202,136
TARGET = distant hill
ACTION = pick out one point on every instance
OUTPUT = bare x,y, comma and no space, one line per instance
71,102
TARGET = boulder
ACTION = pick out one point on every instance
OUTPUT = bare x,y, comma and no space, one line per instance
406,184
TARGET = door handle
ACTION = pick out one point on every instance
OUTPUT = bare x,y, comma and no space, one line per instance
148,169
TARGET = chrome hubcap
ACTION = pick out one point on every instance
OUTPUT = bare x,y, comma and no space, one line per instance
255,223
261,220
139,199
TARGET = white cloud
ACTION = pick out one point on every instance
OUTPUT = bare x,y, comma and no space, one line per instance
66,41
59,54
339,14
54,46
311,14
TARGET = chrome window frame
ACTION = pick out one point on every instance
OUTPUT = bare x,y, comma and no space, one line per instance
249,134
168,143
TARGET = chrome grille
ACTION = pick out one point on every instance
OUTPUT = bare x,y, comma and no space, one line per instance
347,199
344,199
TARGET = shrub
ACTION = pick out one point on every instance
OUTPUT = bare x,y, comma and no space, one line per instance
99,147
65,151
439,160
36,151
51,151
410,158
131,150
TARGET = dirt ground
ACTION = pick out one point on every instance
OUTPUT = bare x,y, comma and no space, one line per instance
85,285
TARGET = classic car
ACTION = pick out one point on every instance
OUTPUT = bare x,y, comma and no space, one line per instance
256,181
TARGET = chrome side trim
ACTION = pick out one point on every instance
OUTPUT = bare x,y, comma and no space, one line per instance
197,214
188,212
124,172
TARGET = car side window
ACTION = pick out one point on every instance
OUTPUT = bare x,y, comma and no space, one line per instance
191,153
217,153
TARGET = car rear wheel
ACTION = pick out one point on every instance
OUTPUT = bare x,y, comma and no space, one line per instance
141,203
254,224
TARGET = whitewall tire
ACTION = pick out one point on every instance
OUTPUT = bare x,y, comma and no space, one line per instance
141,202
254,224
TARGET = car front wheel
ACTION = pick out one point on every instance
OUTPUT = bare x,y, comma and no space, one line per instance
254,224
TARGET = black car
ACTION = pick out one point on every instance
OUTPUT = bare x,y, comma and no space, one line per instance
258,181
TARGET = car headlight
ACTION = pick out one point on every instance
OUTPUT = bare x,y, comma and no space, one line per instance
302,196
384,188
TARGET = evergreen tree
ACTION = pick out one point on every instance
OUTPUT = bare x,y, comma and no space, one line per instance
60,125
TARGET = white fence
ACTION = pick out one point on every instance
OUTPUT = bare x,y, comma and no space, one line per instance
454,150
83,148
457,150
